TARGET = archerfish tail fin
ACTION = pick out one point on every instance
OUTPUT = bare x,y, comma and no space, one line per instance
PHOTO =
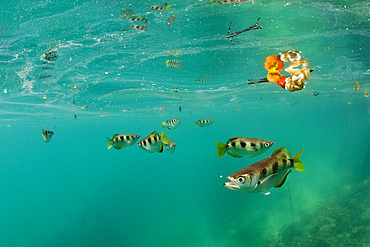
109,142
164,138
209,1
163,124
196,124
169,7
221,148
297,163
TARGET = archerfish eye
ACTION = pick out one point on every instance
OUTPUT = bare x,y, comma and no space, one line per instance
267,144
241,180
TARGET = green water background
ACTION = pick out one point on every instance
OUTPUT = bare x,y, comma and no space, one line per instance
72,191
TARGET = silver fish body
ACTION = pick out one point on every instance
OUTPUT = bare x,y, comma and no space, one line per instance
171,123
265,174
171,146
119,141
204,122
141,28
47,135
243,147
153,143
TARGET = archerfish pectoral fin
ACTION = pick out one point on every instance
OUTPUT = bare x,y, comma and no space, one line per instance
268,182
282,181
233,154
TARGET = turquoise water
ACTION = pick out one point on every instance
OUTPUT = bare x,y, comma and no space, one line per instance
72,191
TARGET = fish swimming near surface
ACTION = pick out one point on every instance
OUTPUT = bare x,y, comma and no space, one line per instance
174,53
47,135
228,2
265,174
171,20
165,6
171,123
141,28
171,146
173,63
204,122
50,56
243,147
44,68
44,76
153,143
119,141
129,14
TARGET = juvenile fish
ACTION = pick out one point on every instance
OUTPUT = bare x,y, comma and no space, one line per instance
47,135
141,28
174,53
119,141
171,20
171,146
44,76
228,2
50,56
204,122
265,174
243,147
171,123
161,8
153,143
44,68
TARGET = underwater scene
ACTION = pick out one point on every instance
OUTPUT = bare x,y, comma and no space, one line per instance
184,123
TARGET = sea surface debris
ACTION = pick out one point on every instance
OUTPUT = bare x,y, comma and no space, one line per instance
357,86
171,20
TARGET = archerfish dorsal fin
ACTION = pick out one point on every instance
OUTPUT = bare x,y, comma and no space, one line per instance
231,139
233,154
282,181
114,136
284,151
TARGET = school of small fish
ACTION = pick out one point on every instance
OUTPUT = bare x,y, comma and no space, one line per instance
173,63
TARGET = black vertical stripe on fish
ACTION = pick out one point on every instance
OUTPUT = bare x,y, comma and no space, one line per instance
263,172
275,167
243,144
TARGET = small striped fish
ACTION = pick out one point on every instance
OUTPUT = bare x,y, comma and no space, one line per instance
47,135
265,174
174,53
171,123
161,8
153,143
229,2
204,122
243,147
119,141
141,28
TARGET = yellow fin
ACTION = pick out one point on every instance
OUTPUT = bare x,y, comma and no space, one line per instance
297,164
233,154
196,124
118,148
282,181
109,142
164,138
163,124
221,149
